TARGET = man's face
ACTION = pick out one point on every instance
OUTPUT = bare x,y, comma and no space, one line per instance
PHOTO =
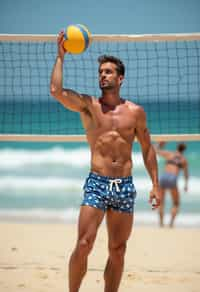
108,76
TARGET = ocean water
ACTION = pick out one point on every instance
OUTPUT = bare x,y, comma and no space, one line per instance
163,77
42,182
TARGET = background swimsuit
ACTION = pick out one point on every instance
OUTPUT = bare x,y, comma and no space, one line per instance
168,180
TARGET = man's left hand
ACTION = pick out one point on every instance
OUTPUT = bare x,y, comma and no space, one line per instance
154,198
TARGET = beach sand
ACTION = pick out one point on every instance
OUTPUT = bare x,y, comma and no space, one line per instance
34,257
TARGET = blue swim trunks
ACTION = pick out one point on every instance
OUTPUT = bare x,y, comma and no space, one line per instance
168,180
105,193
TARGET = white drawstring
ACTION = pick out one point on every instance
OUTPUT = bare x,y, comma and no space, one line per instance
116,182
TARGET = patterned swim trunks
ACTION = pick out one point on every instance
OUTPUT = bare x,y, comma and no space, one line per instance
105,193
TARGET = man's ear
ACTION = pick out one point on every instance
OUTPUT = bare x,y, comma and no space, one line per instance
121,77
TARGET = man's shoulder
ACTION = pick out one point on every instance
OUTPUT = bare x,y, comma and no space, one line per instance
135,107
89,98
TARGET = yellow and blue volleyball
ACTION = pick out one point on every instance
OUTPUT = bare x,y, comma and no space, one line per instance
77,39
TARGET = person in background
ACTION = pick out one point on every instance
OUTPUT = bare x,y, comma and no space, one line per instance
175,163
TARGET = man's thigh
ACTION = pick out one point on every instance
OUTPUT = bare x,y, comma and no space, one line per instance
89,220
119,225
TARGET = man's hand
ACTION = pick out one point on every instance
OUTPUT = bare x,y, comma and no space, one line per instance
154,198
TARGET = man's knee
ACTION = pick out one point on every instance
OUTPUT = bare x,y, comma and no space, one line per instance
117,252
84,246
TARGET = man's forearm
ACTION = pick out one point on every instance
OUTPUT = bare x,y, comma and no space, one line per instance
151,164
57,76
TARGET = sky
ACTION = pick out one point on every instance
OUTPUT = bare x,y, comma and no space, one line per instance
100,16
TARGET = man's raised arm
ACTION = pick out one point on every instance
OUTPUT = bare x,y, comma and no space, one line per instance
69,98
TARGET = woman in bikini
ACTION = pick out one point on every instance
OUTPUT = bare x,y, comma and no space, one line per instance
175,162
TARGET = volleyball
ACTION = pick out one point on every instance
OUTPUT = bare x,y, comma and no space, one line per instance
77,39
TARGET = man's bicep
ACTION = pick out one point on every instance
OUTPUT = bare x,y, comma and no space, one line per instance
142,132
73,100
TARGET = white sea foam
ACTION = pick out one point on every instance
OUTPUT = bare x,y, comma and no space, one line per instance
142,184
36,183
80,157
37,215
183,219
19,158
71,215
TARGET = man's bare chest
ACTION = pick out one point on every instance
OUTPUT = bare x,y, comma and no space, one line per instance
119,118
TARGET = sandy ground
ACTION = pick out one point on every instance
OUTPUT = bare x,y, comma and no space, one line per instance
34,257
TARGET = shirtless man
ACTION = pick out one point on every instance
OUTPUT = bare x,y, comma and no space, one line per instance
111,124
175,162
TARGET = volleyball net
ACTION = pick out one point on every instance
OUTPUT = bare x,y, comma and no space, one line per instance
162,75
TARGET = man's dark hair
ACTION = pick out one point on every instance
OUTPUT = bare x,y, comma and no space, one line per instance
181,147
119,64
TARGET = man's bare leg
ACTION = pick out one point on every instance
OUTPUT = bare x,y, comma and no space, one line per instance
114,269
119,229
89,221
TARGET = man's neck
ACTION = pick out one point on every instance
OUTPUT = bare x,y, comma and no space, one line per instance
110,98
